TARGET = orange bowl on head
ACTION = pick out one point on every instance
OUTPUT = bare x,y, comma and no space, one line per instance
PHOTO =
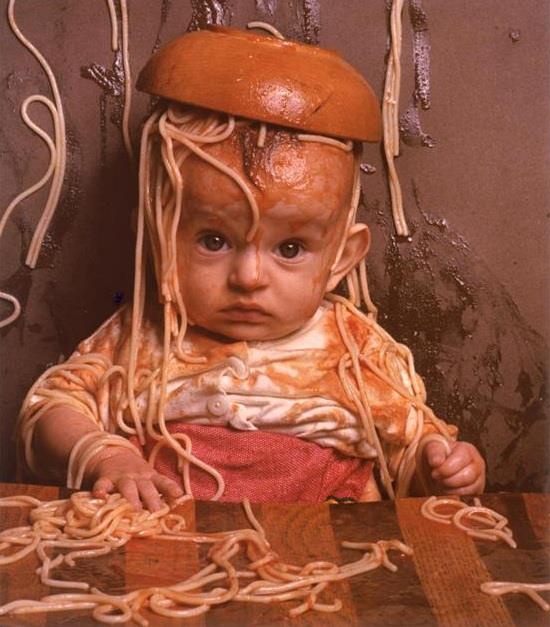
263,78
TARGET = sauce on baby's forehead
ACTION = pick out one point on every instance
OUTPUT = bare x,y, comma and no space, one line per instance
316,219
284,167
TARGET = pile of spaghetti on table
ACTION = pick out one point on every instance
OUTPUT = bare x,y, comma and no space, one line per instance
63,531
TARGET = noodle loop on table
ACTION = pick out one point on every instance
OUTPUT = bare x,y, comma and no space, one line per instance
477,521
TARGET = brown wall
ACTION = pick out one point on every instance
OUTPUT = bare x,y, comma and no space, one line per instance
468,293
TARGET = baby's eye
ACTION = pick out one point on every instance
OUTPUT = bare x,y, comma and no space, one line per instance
290,249
213,241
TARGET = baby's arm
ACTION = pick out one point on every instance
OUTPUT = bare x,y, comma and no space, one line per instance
462,471
114,469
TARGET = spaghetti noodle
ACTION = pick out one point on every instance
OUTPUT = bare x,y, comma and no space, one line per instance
390,116
498,588
490,525
56,166
67,530
123,47
267,27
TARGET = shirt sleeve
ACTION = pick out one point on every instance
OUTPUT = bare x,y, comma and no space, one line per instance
83,383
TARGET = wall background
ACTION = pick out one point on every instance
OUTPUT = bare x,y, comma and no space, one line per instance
468,293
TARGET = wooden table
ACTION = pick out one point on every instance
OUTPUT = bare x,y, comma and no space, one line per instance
438,585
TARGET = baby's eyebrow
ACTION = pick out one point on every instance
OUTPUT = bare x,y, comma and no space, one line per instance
194,213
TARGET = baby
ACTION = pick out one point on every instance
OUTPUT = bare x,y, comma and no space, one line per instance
252,378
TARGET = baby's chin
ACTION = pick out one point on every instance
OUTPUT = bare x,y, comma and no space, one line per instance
242,332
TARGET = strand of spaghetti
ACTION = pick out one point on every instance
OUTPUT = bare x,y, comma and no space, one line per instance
428,508
27,432
405,469
60,144
353,276
30,190
419,403
363,408
177,184
267,27
162,423
51,148
23,500
426,439
365,292
322,139
407,464
90,451
484,534
14,557
71,471
498,588
16,311
149,175
352,294
139,278
253,520
262,133
161,211
390,109
225,131
185,471
233,175
495,524
355,195
396,35
127,81
114,25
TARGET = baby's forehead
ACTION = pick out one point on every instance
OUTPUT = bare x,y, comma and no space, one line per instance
284,166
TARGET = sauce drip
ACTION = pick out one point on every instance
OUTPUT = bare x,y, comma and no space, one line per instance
206,12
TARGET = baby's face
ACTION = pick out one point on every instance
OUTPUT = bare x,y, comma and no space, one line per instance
271,286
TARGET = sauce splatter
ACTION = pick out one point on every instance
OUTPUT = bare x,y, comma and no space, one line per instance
111,83
308,15
268,7
410,126
164,10
367,168
206,12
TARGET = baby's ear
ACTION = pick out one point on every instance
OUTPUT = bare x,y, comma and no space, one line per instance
356,247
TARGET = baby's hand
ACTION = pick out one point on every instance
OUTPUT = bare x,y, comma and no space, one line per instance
123,471
460,472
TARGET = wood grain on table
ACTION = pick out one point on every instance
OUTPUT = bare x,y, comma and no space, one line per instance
438,585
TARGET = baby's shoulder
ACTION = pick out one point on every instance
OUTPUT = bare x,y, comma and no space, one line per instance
345,324
114,333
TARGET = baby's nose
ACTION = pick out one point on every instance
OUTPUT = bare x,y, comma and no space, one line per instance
246,272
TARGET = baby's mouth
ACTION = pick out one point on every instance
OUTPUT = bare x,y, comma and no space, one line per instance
248,312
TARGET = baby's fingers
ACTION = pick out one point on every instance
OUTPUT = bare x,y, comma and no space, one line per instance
102,487
466,476
129,490
149,495
167,487
459,458
125,486
435,454
476,487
